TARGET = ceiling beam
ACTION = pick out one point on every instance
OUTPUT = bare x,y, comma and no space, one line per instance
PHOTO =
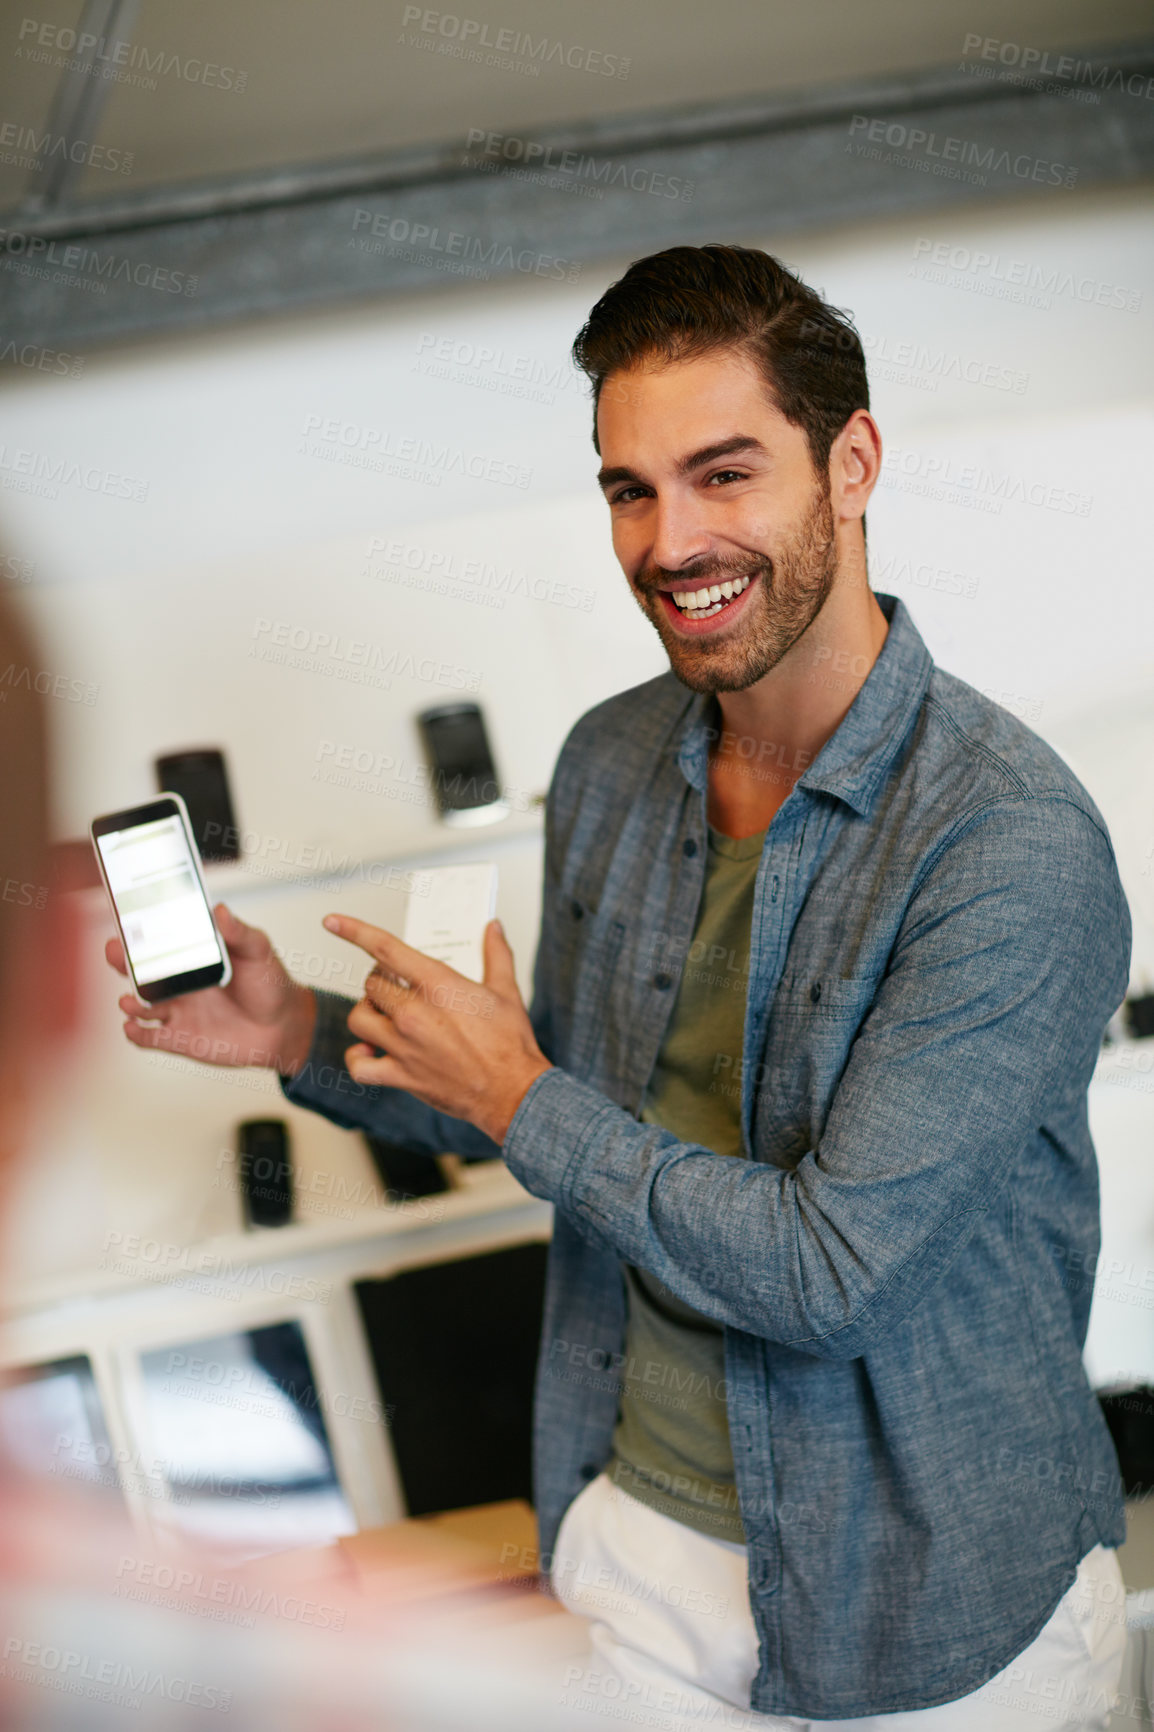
178,257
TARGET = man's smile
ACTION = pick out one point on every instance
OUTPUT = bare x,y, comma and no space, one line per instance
704,608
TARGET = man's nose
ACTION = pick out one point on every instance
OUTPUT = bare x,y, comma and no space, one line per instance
680,533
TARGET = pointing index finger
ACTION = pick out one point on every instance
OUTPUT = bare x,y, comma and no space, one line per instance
384,947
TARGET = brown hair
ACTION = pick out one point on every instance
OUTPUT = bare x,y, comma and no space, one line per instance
687,301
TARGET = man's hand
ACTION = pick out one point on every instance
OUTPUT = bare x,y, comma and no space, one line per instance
262,1017
465,1048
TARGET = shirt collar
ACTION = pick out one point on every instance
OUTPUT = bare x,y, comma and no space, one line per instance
854,760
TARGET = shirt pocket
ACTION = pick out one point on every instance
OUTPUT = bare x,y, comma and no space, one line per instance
586,946
812,1024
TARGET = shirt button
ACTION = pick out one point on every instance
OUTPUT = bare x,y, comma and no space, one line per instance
589,1470
689,847
776,886
576,910
815,992
663,982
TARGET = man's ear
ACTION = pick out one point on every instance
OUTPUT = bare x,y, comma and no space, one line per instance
855,465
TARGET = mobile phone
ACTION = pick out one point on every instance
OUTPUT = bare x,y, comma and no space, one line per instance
266,1172
199,776
151,870
464,776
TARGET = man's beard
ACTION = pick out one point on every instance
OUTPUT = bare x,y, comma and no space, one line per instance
793,588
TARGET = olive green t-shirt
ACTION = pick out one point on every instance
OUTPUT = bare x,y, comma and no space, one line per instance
671,1444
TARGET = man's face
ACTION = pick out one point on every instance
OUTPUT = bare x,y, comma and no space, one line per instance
709,485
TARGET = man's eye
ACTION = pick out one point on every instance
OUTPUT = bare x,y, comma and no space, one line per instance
727,475
626,495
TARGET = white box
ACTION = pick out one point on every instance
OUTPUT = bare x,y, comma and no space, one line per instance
448,909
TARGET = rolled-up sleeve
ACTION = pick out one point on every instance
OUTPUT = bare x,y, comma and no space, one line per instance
1012,956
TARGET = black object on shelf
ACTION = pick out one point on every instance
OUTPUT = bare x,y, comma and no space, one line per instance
405,1172
1138,1016
465,783
1129,1412
266,1172
454,1347
200,778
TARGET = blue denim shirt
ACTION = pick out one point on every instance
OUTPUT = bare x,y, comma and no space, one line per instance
939,937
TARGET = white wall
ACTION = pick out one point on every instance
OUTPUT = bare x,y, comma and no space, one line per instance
245,530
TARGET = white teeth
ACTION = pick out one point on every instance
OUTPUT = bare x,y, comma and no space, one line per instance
700,603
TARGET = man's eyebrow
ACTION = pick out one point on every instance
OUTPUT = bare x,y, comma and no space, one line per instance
723,448
708,454
610,477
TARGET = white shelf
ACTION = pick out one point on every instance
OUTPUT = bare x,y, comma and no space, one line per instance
486,1205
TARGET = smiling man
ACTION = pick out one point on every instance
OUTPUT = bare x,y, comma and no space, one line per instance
828,944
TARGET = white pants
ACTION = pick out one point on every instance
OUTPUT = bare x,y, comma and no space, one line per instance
683,1652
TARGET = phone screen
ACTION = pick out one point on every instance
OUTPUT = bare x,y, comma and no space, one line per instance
166,922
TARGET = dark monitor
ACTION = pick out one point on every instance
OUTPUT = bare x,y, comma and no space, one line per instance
454,1346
